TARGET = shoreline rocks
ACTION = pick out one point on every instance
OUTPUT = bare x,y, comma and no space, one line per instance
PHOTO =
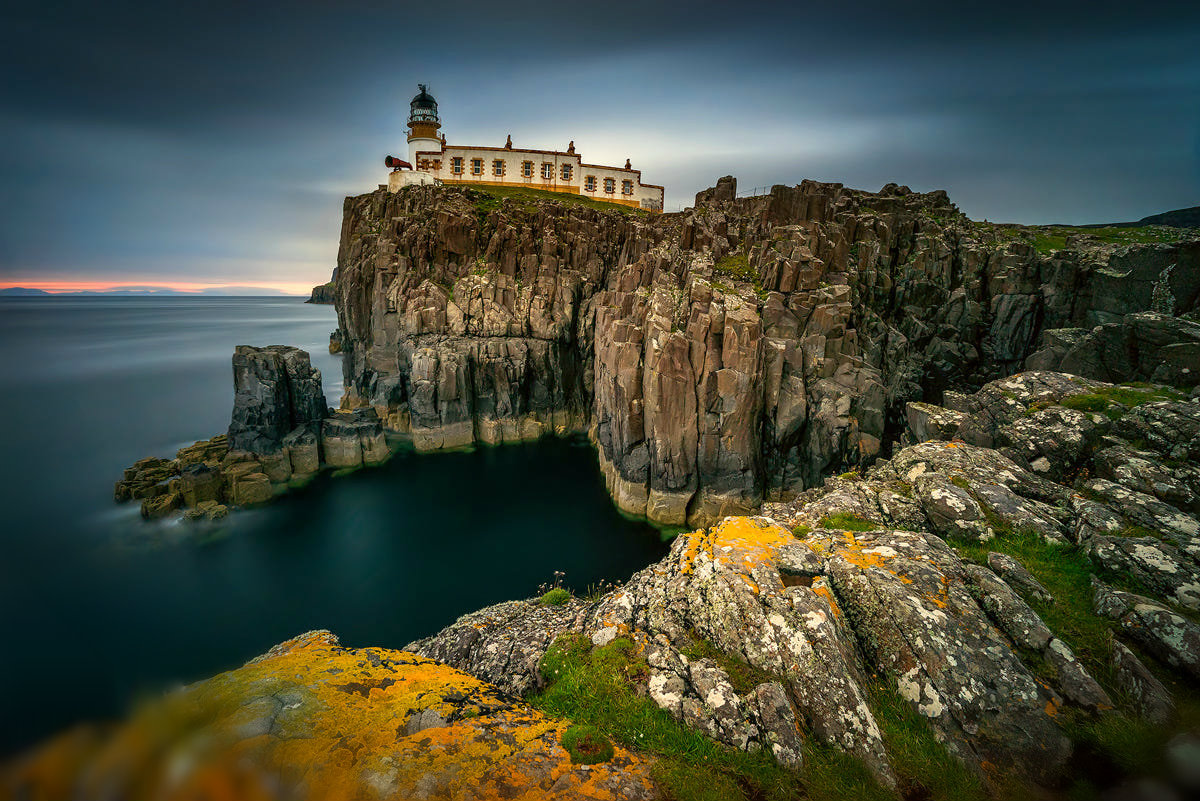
281,434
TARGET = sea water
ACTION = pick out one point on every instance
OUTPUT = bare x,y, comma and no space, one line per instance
99,608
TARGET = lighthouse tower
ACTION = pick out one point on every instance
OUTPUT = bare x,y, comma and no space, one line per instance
423,124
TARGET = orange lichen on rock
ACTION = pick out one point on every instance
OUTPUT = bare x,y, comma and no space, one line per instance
311,719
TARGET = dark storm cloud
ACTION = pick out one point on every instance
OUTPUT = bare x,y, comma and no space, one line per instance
185,141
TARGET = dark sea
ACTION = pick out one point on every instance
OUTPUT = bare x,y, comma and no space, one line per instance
99,608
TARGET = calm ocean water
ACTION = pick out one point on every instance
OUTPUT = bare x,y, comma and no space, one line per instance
99,608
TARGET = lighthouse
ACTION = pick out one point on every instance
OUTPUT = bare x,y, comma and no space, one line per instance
432,161
423,124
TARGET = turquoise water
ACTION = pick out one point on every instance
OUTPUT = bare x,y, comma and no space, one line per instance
100,607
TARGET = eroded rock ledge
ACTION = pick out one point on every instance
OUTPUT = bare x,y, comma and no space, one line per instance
739,351
281,433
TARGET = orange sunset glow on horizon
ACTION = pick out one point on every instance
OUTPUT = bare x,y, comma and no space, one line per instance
67,286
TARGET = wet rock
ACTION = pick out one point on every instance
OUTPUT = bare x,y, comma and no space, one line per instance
251,489
160,505
353,439
207,510
303,451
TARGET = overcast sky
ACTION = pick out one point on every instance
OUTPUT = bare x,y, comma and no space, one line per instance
212,143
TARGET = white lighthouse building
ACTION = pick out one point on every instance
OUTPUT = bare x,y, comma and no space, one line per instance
432,160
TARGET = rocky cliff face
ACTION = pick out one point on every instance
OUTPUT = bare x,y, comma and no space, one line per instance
732,353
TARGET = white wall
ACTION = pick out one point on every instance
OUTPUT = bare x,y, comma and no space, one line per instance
513,160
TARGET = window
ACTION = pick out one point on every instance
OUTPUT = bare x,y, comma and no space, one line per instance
547,171
456,165
527,169
566,172
476,166
626,187
498,167
589,183
610,185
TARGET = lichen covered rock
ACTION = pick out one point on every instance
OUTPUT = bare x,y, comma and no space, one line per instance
311,719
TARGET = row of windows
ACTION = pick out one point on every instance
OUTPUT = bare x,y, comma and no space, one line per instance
566,172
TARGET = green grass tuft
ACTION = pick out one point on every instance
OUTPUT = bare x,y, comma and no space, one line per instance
736,266
742,675
1115,401
923,766
556,597
586,745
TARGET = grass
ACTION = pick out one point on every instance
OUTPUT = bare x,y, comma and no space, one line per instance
923,766
586,745
801,531
490,198
1115,401
555,597
1066,574
1047,239
742,675
848,521
736,265
597,687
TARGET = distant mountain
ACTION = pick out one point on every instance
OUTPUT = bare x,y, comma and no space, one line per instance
1180,218
22,292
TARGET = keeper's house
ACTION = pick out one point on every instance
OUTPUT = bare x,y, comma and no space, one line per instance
431,160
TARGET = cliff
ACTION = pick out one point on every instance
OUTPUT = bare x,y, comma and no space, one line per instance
733,353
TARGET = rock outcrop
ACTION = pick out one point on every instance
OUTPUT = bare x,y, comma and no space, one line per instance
311,719
281,434
853,586
739,351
